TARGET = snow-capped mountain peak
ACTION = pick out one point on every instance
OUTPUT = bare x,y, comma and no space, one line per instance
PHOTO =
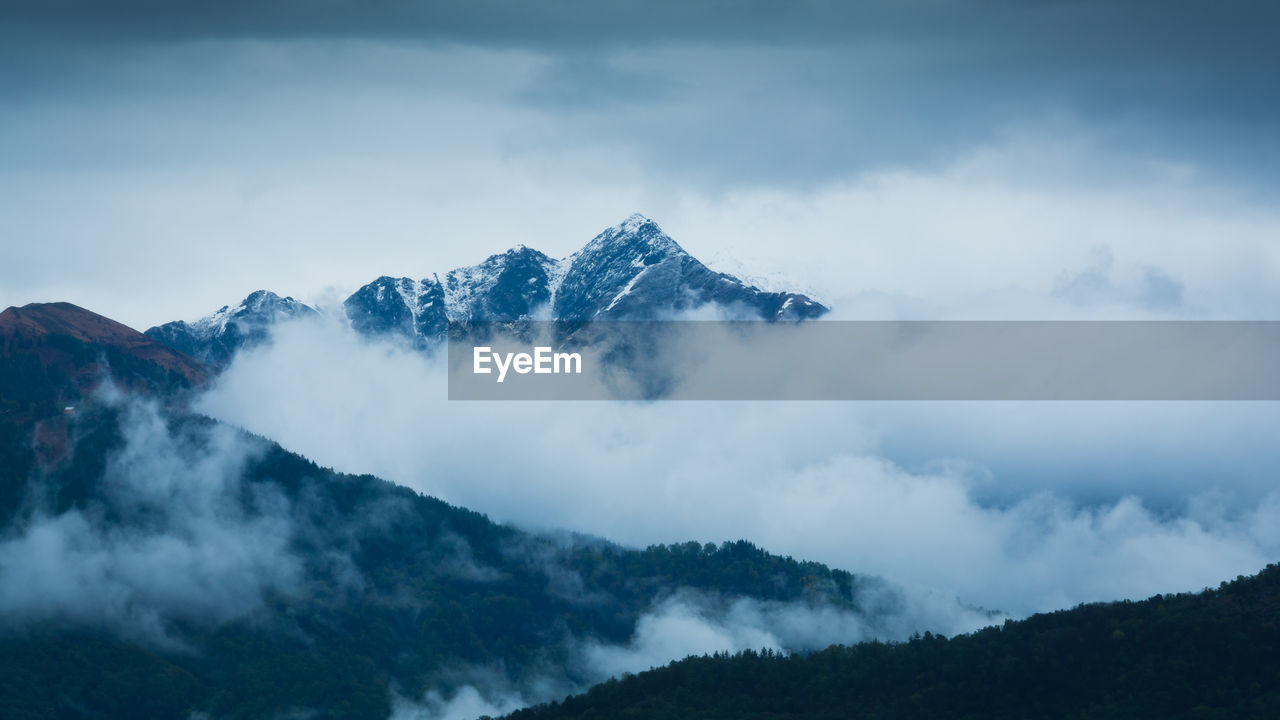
215,338
638,236
632,270
259,307
510,284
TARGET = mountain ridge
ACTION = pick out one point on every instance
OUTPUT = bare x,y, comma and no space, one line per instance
37,320
631,270
214,339
52,354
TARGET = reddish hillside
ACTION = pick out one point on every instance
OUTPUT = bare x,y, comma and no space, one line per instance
55,353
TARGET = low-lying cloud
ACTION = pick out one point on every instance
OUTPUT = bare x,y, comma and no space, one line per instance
693,624
182,547
990,517
688,623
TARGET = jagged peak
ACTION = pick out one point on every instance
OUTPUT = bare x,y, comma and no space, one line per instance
255,303
258,296
259,299
519,251
635,221
486,270
637,232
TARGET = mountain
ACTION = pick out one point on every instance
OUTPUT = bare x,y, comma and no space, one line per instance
166,565
53,354
214,339
1215,654
630,271
174,567
634,270
505,287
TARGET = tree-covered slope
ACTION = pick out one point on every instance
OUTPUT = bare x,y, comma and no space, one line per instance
52,356
170,565
1215,654
158,564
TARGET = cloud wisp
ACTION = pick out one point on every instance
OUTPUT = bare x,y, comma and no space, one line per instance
687,623
170,539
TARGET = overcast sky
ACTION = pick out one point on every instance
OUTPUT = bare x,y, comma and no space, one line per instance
906,158
921,158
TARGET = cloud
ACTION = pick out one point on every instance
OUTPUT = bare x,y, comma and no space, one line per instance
459,561
798,86
999,233
173,538
170,543
997,505
913,152
686,623
689,623
468,693
988,234
1152,288
466,703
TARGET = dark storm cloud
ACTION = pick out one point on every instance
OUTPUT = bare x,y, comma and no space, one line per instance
776,92
1220,48
1110,28
527,23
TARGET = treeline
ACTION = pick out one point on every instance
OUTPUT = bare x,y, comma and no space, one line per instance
1214,655
40,374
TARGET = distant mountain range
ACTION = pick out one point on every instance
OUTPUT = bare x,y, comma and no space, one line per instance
630,271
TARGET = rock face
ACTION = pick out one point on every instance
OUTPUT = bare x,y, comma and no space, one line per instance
398,306
631,271
215,338
510,286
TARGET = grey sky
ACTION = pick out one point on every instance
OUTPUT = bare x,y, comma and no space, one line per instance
199,151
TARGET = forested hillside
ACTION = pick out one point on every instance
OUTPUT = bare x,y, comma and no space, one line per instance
1202,656
361,586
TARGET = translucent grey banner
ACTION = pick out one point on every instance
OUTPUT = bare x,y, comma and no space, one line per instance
866,360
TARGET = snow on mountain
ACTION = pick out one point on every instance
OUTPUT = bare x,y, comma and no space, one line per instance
215,338
398,306
634,270
631,271
507,286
